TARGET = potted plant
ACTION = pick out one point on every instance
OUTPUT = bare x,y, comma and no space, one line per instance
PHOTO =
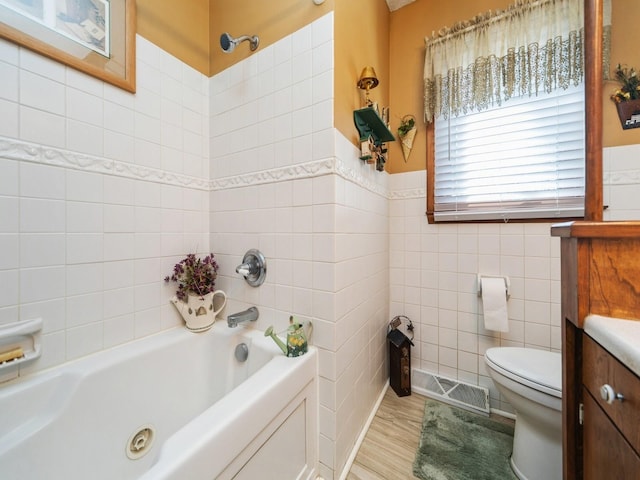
406,133
194,298
627,97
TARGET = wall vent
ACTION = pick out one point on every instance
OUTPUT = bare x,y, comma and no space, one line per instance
460,394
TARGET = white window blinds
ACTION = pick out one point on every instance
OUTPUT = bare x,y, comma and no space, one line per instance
523,159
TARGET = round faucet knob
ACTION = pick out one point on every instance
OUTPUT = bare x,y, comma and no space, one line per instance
253,268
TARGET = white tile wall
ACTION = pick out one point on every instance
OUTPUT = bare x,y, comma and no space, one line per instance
280,185
87,250
621,179
433,282
82,244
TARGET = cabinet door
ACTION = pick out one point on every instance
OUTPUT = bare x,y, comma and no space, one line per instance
600,368
607,455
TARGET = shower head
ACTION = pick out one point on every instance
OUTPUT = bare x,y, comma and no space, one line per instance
228,43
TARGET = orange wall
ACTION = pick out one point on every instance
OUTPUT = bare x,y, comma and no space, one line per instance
361,39
271,20
624,50
192,32
409,26
365,34
180,28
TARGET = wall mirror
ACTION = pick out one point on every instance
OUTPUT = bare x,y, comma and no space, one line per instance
96,37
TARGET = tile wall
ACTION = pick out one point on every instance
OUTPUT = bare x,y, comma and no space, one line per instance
621,180
101,191
286,182
433,272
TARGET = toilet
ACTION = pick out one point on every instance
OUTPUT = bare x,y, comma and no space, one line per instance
531,381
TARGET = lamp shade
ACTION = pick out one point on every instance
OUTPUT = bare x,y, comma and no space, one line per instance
368,79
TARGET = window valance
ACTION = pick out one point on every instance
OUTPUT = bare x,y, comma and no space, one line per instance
532,46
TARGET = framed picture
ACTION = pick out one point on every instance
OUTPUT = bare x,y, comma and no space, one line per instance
94,36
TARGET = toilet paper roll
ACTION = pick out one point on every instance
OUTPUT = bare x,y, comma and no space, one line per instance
494,304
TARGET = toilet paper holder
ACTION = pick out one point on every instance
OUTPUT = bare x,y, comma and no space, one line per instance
507,283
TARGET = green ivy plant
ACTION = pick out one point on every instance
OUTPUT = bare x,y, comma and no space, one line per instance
406,124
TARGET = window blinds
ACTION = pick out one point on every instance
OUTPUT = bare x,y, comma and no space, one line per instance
524,159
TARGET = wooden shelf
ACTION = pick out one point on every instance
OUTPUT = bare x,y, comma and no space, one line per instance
369,123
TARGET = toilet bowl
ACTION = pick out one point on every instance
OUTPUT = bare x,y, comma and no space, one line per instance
531,381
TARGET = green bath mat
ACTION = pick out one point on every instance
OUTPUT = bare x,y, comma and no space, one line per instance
459,445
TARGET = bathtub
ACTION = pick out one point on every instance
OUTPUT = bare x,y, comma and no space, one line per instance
175,405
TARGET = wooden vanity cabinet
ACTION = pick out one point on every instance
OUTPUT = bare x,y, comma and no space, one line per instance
617,459
600,274
611,431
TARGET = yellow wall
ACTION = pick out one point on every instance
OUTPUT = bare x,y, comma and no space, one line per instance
271,20
624,50
180,28
361,39
409,25
408,28
365,34
191,31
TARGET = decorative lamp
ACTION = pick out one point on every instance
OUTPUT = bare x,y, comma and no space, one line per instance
367,81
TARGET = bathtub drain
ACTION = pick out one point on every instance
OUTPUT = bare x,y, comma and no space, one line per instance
140,442
242,352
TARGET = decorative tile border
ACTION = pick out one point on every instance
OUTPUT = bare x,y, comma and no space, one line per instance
621,177
355,175
13,149
316,168
408,194
303,170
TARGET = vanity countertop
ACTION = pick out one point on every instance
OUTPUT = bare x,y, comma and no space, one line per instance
620,337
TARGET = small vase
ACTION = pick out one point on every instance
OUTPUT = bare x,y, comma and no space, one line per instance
629,113
199,313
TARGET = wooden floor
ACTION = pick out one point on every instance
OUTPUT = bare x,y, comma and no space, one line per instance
390,445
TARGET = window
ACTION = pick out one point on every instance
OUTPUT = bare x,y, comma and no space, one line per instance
523,159
504,97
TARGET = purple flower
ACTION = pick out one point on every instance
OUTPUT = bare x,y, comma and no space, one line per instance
194,275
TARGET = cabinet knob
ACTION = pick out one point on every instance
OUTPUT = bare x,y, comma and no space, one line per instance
608,394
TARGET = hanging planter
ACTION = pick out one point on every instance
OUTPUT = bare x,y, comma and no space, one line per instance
629,113
407,132
627,97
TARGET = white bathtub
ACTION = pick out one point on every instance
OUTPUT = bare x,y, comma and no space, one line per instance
210,415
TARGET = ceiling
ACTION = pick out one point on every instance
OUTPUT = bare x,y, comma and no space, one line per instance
396,4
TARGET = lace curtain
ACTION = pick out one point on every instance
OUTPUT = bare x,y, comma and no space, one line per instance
532,46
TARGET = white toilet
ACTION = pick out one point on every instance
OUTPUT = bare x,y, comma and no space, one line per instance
531,381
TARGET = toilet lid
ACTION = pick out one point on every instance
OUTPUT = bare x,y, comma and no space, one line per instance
539,369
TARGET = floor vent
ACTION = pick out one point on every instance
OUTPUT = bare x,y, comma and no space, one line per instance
454,392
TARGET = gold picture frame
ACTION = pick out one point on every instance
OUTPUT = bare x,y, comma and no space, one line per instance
97,37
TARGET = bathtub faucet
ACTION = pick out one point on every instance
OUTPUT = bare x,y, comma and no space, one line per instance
248,315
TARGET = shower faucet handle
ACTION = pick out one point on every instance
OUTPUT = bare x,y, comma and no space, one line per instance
253,268
246,269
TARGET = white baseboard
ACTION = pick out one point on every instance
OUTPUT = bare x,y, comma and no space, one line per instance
365,429
503,413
